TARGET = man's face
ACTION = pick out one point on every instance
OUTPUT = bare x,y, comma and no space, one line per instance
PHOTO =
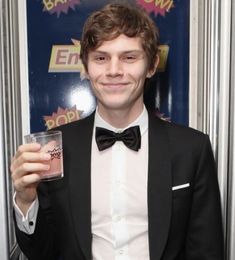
117,71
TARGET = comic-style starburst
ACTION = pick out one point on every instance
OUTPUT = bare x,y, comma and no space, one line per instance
62,7
160,9
53,120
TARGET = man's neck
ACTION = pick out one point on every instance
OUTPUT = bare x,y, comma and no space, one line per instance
120,118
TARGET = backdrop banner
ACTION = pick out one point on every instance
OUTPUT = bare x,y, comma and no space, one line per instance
60,93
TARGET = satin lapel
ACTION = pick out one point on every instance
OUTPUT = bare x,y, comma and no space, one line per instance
159,187
80,184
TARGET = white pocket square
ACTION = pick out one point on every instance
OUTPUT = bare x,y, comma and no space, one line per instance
181,186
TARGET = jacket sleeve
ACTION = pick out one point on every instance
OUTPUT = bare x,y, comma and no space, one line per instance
205,235
42,243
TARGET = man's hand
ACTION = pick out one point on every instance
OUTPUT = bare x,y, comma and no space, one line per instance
27,164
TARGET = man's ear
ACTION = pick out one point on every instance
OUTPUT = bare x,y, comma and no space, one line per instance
153,70
86,74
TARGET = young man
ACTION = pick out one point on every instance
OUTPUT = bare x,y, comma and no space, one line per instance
152,194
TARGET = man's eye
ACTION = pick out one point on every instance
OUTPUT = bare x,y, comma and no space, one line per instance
130,58
100,58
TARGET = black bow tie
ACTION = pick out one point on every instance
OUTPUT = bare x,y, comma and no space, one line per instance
130,137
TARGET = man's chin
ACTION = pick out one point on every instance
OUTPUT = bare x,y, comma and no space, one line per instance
112,106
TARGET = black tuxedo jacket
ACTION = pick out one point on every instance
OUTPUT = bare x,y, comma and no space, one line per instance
184,224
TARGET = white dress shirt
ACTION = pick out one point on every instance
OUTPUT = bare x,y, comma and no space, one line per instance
118,199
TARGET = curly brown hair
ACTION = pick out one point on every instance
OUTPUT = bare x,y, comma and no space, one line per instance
116,19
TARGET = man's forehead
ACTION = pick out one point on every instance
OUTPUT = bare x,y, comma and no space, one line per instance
122,43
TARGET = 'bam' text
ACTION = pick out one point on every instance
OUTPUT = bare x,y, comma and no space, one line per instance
50,4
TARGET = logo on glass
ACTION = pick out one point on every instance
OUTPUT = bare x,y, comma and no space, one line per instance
55,153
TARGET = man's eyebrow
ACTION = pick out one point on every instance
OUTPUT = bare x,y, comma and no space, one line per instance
133,51
122,52
98,52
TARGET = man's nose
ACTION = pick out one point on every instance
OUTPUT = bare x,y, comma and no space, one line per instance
114,67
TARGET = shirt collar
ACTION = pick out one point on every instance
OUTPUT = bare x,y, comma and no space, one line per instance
141,120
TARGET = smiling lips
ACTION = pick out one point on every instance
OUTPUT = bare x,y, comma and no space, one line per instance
117,85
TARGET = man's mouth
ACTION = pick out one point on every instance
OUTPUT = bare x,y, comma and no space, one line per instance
115,85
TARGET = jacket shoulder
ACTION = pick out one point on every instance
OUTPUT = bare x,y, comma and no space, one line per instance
77,125
185,131
183,137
